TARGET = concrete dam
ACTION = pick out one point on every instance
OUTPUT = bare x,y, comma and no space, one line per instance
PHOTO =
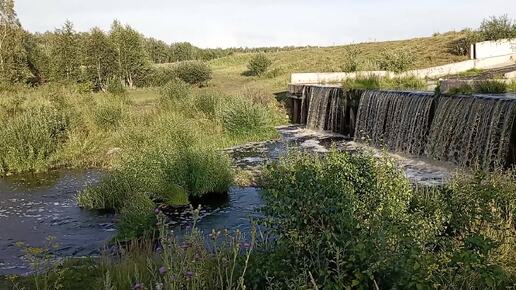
476,131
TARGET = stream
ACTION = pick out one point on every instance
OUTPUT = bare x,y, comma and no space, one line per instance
34,207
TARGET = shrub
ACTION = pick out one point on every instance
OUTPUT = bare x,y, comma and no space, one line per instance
194,72
345,220
174,90
496,28
351,61
241,116
259,64
160,76
396,60
30,139
339,217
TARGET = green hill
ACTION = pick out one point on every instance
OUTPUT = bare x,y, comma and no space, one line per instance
228,71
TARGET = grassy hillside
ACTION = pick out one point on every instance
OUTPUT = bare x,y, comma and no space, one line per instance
428,51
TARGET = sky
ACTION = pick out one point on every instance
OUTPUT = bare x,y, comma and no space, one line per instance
254,23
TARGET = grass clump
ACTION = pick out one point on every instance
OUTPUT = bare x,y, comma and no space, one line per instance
374,82
31,138
490,87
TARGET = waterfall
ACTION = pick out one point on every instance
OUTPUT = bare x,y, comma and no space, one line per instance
329,109
473,130
398,120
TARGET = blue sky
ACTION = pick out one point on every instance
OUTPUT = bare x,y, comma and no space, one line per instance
227,23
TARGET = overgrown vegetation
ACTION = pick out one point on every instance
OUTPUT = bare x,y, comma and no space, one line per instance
258,65
340,221
482,87
375,82
359,223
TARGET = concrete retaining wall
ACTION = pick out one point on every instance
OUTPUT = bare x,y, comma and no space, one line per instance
433,72
494,48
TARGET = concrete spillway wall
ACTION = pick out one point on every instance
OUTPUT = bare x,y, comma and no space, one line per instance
472,131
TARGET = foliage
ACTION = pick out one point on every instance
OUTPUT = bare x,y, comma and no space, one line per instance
64,55
31,138
396,60
175,90
132,59
194,72
346,220
490,87
13,53
259,64
374,82
137,218
351,59
99,59
496,28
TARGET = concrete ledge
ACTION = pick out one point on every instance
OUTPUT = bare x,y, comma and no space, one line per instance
433,72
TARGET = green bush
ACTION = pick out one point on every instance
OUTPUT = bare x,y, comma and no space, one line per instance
160,76
396,60
496,28
31,138
241,116
259,64
374,82
351,59
340,217
174,90
194,72
345,221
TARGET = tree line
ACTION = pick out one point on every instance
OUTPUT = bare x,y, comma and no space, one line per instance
98,57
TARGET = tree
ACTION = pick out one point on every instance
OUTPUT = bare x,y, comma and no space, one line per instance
100,58
496,28
158,51
183,51
13,56
65,54
259,64
132,60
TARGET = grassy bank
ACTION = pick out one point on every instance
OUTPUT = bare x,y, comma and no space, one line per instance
228,72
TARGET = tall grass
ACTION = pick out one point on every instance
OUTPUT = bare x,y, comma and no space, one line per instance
375,82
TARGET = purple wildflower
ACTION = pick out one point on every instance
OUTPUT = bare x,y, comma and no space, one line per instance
162,270
246,245
157,210
189,274
138,286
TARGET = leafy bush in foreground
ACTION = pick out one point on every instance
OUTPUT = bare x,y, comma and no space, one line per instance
346,220
174,90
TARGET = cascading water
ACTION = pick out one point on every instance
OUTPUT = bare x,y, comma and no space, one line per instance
397,120
329,109
473,130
